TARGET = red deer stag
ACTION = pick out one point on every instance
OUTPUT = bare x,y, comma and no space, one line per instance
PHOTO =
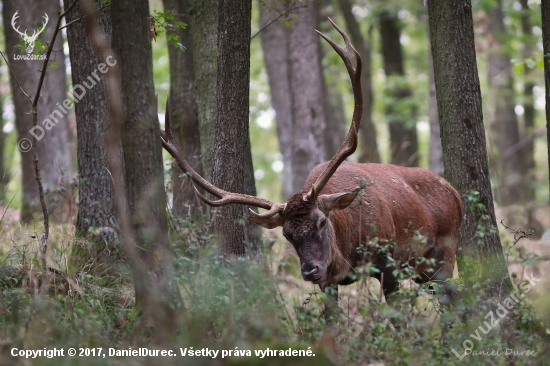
413,212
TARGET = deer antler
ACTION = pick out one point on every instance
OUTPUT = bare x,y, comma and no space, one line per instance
225,197
350,143
36,33
13,19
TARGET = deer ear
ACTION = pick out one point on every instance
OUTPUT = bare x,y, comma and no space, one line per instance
268,223
337,201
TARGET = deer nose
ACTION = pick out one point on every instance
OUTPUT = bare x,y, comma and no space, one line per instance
310,271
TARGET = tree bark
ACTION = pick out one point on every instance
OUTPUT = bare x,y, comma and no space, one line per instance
183,112
333,104
545,14
275,46
53,149
96,195
436,150
368,152
334,133
528,152
143,166
4,172
480,256
403,137
308,112
203,30
504,120
233,169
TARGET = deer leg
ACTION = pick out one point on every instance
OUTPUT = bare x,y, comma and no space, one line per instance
387,279
448,295
390,285
331,303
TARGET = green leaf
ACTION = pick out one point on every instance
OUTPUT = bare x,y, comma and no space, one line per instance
530,63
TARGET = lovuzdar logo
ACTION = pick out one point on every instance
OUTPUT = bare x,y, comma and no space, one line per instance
29,41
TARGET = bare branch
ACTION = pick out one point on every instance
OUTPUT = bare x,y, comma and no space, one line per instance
15,77
277,18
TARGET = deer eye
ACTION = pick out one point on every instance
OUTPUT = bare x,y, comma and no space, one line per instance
322,223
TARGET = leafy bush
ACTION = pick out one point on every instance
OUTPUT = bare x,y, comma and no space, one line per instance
255,305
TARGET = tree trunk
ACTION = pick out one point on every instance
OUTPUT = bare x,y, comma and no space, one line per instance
275,46
334,133
528,152
333,104
203,30
96,211
403,137
545,14
183,112
307,94
480,256
143,172
233,169
4,171
504,121
368,152
53,149
436,150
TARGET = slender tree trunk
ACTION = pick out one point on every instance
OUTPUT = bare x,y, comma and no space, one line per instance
275,46
436,150
504,120
53,149
203,29
368,150
308,112
334,115
233,169
480,256
96,208
528,152
403,137
4,173
183,112
545,13
333,105
141,146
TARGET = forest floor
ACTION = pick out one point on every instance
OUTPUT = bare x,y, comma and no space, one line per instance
107,312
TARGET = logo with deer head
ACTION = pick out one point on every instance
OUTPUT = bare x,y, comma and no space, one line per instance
29,40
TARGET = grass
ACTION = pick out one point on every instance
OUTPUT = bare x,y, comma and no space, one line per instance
257,305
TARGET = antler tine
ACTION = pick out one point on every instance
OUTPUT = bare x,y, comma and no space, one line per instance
352,60
13,24
278,208
225,197
45,22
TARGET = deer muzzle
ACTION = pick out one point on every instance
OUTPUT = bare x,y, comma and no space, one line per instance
314,271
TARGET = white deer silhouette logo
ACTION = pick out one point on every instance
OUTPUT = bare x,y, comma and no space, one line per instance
29,40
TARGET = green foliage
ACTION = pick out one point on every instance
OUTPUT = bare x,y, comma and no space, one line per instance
165,22
260,304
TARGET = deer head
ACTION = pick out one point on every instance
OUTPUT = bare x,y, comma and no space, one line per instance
29,40
305,217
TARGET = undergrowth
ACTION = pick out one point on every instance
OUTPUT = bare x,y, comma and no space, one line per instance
260,304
